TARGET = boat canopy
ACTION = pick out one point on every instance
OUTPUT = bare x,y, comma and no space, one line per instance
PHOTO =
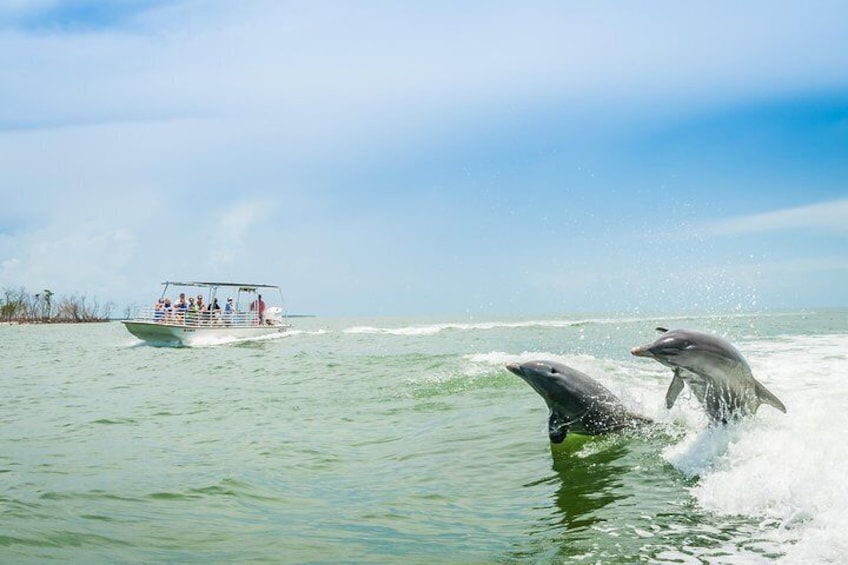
241,286
214,287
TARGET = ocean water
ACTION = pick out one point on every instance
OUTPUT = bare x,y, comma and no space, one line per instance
406,441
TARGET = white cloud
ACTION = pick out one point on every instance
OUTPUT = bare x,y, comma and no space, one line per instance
335,65
82,259
233,225
826,216
174,129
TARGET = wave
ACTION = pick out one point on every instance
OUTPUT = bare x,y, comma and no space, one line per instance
433,329
501,358
308,332
787,470
437,328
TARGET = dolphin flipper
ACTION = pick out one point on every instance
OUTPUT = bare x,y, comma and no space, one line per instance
766,397
674,389
557,428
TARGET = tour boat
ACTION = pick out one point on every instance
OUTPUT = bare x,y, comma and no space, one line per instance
202,313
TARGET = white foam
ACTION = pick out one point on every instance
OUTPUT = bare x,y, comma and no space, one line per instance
433,329
500,358
214,341
436,328
788,470
308,332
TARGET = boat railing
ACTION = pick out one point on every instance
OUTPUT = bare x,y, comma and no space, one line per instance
217,318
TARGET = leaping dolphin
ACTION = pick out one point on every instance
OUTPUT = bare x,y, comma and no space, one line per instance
716,372
577,402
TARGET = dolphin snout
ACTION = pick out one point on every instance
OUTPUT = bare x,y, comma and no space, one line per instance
515,368
640,351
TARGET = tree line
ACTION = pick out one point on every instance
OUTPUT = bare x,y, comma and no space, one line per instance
18,305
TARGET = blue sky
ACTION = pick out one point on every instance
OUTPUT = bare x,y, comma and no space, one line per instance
476,158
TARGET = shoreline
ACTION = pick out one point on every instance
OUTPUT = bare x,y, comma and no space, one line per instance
49,322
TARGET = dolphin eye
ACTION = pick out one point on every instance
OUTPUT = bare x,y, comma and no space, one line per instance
677,343
554,371
672,345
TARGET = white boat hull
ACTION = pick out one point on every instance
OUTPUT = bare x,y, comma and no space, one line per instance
160,333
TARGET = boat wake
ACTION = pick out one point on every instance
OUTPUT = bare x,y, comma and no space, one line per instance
434,329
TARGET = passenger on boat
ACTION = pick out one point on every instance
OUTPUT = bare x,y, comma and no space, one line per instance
191,315
169,310
201,308
159,310
181,306
229,310
259,307
214,311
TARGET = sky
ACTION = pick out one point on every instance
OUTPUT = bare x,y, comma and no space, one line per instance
377,158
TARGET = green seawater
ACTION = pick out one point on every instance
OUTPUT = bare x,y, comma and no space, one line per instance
406,441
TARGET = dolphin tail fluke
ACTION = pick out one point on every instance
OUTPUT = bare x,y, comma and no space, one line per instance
766,397
673,389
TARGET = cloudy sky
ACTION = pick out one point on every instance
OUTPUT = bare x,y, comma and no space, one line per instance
398,158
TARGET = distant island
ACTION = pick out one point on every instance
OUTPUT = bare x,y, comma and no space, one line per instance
17,306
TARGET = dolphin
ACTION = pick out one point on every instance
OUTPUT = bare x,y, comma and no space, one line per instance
716,372
577,402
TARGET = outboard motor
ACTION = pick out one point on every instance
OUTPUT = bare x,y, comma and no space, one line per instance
274,316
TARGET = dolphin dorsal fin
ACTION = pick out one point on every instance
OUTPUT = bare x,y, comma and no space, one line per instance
674,389
767,397
661,329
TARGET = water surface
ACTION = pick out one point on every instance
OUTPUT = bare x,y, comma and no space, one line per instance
406,441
